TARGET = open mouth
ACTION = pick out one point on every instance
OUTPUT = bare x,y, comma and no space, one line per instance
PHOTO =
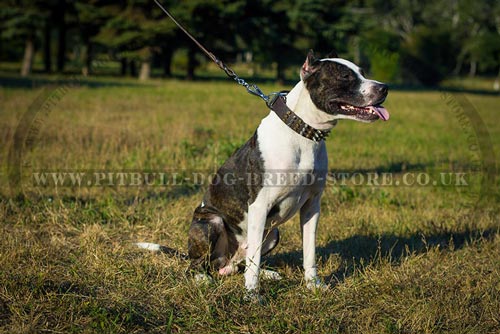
368,113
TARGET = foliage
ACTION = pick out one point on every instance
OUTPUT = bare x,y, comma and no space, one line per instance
19,19
416,41
428,55
133,28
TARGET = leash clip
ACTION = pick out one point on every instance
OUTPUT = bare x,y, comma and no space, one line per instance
255,90
271,98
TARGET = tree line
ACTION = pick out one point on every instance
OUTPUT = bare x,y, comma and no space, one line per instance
396,40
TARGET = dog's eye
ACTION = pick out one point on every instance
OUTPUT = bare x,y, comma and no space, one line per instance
345,76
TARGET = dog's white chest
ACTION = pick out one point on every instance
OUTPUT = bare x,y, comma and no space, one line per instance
294,168
282,149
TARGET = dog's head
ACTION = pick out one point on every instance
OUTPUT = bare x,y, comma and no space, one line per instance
339,88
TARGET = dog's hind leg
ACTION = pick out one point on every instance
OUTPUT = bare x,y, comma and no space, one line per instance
271,240
208,242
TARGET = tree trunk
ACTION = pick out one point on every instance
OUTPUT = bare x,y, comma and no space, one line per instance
460,61
133,68
145,73
167,54
496,84
47,49
357,50
473,68
61,49
191,64
123,69
280,73
87,59
29,51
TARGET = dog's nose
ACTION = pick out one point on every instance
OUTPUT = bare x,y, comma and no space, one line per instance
383,89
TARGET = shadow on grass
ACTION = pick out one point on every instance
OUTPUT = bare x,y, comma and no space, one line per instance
358,250
405,166
169,194
394,167
448,89
9,78
36,82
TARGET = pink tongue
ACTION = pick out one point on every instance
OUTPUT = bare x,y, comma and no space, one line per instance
381,112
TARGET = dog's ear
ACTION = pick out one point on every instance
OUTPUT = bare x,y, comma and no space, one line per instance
332,54
310,65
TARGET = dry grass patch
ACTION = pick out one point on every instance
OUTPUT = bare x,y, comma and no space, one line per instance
398,259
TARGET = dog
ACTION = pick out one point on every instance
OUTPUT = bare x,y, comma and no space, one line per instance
280,171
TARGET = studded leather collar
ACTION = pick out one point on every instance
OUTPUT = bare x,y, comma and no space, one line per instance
294,122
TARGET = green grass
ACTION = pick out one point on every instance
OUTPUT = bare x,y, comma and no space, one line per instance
398,259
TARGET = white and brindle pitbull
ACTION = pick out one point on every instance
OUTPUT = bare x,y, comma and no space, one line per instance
237,220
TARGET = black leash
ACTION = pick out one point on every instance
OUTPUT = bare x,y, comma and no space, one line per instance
275,101
251,88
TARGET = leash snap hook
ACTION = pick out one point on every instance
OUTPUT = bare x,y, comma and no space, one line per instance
255,90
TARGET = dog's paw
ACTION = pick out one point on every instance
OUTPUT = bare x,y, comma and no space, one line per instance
253,297
228,270
202,278
270,275
315,284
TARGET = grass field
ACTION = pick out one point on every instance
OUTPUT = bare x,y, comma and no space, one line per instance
399,259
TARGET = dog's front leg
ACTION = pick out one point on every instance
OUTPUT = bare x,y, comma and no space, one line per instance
257,214
309,217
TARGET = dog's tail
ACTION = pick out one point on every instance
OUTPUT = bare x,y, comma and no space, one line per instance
163,249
